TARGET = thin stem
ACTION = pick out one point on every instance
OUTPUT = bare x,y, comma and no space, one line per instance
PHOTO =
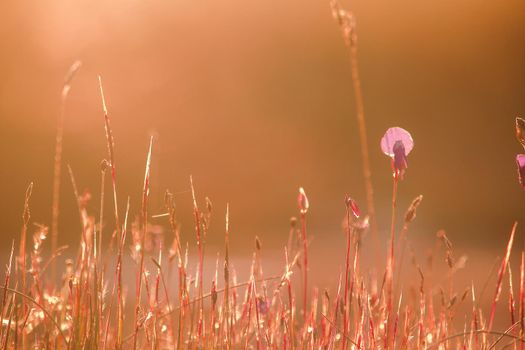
347,272
305,262
22,257
227,278
390,259
347,24
57,169
145,194
360,113
208,295
26,297
111,152
200,243
477,331
501,272
104,166
56,184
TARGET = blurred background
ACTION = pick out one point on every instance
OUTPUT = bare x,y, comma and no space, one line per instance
254,99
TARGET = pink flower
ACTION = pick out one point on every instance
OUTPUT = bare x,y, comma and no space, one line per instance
397,143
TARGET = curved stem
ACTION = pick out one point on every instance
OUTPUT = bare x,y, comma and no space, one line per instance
36,303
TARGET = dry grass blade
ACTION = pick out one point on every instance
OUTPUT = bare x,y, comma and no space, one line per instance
144,218
501,272
333,325
227,278
346,22
520,131
33,301
410,214
111,152
7,278
507,331
208,295
22,252
6,285
58,157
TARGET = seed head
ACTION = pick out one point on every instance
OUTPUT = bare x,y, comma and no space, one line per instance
520,162
520,131
352,205
302,201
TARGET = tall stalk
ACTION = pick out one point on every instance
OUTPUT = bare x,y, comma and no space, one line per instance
111,153
303,203
347,24
390,260
227,279
22,257
200,245
347,273
140,272
57,170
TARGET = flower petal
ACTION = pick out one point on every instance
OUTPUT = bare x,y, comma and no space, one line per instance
394,135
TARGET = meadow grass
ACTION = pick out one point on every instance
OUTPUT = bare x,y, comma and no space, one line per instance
90,307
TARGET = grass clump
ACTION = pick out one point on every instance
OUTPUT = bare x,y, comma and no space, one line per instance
91,307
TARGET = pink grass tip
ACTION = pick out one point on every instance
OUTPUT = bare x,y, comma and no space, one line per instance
302,201
520,162
352,204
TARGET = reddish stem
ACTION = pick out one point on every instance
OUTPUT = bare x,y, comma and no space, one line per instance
305,262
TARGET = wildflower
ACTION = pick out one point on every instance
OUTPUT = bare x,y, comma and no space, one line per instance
397,143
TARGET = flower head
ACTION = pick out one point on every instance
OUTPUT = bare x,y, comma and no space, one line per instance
397,143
